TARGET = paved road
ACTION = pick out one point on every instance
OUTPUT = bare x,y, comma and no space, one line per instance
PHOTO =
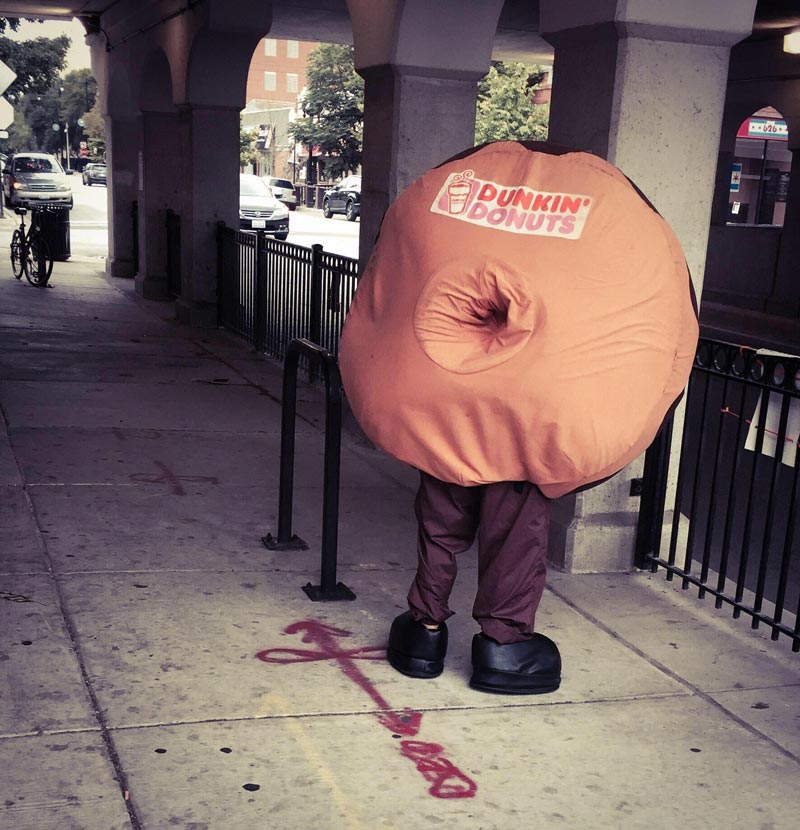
307,226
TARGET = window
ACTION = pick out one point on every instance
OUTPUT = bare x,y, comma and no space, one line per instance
291,82
292,48
760,176
270,47
270,81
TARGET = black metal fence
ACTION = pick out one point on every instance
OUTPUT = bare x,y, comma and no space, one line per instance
173,226
732,517
273,292
135,235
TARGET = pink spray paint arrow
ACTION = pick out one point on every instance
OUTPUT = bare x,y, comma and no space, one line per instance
445,779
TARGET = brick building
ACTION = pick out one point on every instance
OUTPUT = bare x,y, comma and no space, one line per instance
276,77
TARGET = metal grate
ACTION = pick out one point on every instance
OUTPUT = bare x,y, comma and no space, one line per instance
732,521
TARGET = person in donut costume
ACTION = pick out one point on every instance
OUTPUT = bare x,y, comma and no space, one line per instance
522,329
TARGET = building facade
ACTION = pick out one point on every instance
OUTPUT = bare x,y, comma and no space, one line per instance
276,78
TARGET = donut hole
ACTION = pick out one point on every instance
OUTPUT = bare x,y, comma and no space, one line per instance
469,320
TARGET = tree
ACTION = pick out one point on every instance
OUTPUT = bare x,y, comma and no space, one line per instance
37,63
505,104
247,147
48,114
333,109
94,131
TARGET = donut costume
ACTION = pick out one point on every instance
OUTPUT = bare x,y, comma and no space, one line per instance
524,317
523,327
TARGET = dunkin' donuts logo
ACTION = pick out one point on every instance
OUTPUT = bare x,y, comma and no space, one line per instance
517,209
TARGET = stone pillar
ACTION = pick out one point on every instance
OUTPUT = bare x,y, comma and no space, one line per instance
421,62
413,120
210,140
160,188
642,84
122,155
785,299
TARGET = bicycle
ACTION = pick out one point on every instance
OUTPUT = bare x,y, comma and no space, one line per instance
30,252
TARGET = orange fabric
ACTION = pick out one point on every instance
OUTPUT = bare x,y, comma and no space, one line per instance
523,317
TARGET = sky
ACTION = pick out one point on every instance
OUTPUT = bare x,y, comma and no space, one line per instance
78,54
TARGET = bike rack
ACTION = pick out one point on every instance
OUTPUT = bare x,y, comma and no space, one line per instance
329,590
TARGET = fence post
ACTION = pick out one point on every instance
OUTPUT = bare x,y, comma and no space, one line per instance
260,333
220,273
135,239
172,222
654,495
328,589
315,307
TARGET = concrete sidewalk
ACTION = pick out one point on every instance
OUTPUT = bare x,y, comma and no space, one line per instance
159,668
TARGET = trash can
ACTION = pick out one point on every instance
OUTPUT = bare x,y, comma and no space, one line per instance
54,223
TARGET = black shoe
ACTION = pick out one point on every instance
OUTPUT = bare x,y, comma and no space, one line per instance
530,667
415,650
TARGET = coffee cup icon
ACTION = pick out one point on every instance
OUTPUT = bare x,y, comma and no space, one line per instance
457,195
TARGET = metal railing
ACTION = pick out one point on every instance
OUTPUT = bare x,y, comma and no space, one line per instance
311,195
329,590
135,235
273,292
173,226
732,525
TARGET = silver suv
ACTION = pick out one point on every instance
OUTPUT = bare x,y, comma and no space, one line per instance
283,190
35,178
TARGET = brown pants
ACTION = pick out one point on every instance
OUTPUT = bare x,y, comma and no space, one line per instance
511,521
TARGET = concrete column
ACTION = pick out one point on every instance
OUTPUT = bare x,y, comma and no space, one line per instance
210,140
421,62
413,120
122,153
642,84
785,299
160,188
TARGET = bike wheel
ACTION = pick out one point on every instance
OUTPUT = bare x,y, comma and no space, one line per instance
17,265
39,262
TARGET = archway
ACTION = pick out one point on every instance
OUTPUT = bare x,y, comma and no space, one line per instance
760,170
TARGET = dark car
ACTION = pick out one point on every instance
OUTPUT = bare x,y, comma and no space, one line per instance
345,198
259,210
94,174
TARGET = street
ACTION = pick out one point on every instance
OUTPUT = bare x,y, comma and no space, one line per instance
307,226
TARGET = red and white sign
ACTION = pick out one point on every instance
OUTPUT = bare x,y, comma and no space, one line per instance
512,208
769,128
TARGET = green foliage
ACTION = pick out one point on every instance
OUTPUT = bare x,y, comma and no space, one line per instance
9,23
333,109
63,104
37,63
505,109
20,136
94,132
247,147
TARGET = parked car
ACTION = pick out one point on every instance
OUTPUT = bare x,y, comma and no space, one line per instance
345,198
30,179
283,190
94,174
259,209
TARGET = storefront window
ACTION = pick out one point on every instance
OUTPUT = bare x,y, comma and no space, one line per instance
760,174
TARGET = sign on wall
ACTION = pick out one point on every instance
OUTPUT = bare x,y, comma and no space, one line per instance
736,176
774,129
